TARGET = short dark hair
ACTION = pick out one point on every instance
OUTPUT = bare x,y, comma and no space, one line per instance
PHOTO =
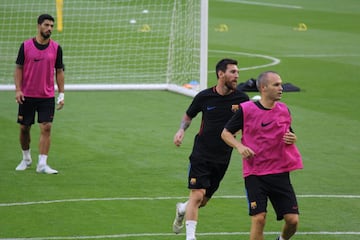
222,65
262,78
44,17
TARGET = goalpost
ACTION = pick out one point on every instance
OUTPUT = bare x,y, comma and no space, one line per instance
112,45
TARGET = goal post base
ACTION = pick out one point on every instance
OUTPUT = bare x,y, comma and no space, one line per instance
108,87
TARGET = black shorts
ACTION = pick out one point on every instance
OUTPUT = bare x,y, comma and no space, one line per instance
45,108
206,175
276,187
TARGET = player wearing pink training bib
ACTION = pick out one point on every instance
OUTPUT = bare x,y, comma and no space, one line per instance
39,60
272,154
269,154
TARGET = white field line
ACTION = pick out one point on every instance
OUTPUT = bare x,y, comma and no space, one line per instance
273,60
156,199
139,235
265,4
318,55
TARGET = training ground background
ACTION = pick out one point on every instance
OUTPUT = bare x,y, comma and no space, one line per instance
121,176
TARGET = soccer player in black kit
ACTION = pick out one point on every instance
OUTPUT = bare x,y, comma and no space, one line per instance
210,156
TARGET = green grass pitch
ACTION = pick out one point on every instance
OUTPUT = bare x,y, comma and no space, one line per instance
121,176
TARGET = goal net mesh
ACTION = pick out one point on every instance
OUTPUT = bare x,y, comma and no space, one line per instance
127,43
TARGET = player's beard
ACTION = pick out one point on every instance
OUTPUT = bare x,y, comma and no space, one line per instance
231,85
46,35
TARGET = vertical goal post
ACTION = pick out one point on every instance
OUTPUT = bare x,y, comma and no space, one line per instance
116,45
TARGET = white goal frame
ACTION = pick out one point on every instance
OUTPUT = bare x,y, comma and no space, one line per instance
167,84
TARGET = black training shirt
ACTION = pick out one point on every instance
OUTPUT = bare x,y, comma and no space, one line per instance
216,111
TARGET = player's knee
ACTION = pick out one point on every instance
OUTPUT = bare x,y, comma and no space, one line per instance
24,129
45,127
259,219
197,196
292,220
204,201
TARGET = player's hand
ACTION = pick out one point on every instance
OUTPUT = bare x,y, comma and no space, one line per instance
245,152
179,136
60,101
289,138
19,97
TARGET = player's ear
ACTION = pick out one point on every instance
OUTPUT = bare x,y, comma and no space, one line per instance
221,74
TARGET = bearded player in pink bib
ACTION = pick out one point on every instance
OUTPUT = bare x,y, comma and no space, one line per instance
39,61
269,154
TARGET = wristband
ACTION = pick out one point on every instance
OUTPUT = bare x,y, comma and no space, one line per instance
60,98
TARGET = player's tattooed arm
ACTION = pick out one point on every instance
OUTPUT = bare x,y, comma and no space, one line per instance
184,125
185,122
179,135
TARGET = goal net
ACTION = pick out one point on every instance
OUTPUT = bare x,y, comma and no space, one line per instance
125,44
